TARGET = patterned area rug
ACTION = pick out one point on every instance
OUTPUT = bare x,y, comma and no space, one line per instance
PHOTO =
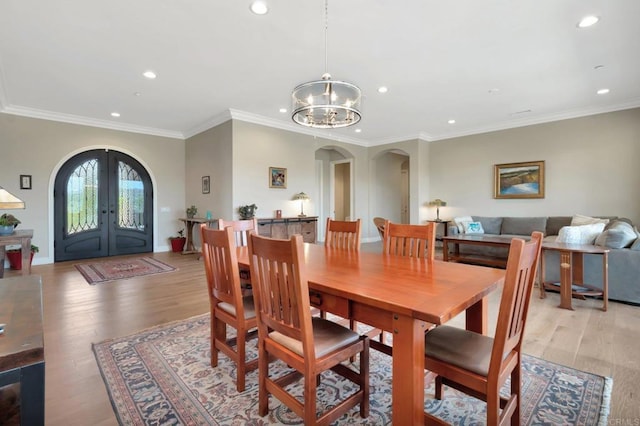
162,376
121,269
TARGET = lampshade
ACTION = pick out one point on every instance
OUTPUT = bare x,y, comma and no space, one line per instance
326,103
437,202
9,201
301,196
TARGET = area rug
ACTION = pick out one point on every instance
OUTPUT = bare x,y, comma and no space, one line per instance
163,376
121,269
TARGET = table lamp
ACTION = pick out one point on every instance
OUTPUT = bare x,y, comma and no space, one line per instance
302,197
9,201
438,203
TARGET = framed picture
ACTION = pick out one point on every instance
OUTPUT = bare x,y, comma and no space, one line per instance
25,181
277,177
519,180
206,184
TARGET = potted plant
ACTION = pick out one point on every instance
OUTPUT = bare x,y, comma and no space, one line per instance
177,243
192,211
8,222
247,212
15,257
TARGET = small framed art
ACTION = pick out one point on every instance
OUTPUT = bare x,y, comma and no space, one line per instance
206,184
25,181
277,177
519,180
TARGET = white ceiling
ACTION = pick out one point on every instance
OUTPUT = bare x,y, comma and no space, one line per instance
79,60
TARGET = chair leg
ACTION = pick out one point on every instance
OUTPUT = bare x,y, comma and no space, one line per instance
241,360
516,389
438,387
364,377
493,405
310,390
263,373
215,333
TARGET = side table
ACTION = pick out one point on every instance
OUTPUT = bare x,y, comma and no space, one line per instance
571,273
22,237
444,223
189,223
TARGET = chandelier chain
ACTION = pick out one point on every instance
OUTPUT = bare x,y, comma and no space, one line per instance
326,36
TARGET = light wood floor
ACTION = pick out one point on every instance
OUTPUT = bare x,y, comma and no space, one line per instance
77,314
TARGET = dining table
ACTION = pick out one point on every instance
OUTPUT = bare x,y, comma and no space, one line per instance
401,295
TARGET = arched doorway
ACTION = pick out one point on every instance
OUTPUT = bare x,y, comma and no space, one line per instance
103,203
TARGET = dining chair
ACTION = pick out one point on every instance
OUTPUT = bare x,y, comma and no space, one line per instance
479,365
343,235
228,306
241,230
379,224
410,240
287,331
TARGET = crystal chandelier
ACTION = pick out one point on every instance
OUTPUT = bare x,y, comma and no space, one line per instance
326,103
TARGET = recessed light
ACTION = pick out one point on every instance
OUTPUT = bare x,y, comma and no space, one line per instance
452,121
283,110
383,89
358,130
494,90
603,91
150,75
115,114
137,94
259,8
588,21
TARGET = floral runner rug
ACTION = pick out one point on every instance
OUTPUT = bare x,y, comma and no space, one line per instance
163,376
98,272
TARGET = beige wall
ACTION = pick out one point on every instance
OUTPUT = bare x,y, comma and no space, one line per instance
591,168
40,147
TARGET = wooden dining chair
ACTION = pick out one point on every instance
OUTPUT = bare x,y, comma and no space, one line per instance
228,306
410,240
287,331
344,235
479,365
241,230
379,224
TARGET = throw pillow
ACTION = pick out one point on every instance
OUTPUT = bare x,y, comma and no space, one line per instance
473,228
579,219
582,234
458,221
636,245
617,234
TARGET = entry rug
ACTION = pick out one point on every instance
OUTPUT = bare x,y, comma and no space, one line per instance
163,376
121,269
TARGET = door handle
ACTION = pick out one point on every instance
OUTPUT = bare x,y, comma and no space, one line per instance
104,211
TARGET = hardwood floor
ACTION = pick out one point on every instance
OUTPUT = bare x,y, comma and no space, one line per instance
77,314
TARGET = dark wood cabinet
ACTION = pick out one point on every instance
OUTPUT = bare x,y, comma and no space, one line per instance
284,227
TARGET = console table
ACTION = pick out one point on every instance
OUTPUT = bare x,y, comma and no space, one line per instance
22,344
285,227
571,273
189,223
22,237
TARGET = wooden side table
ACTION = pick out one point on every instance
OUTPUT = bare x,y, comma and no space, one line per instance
22,237
444,223
572,273
189,223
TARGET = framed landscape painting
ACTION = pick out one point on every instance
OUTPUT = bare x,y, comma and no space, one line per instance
277,177
519,180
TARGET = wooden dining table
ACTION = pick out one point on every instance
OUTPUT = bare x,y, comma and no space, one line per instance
403,296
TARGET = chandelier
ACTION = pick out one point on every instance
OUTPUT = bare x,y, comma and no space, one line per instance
326,103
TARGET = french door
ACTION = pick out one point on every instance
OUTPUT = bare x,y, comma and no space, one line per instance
103,202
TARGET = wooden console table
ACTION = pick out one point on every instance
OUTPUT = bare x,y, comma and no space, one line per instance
189,223
22,344
285,227
22,237
571,273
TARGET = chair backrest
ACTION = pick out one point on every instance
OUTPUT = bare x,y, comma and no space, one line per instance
410,240
522,266
221,267
379,223
281,290
241,229
342,234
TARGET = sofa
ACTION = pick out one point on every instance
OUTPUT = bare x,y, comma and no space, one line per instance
624,255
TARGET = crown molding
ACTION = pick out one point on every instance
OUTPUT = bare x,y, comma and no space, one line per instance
85,121
214,121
